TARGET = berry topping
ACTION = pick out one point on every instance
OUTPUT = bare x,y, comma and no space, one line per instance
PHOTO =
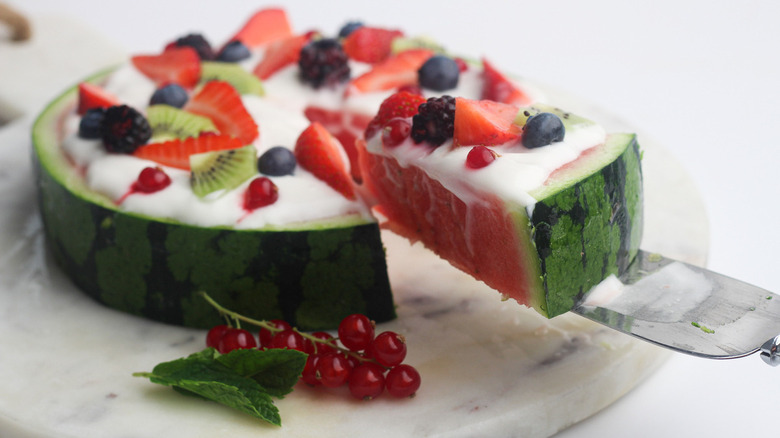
197,42
277,161
323,62
370,44
318,152
395,71
93,96
180,65
499,88
151,179
479,157
233,51
439,73
402,381
91,124
350,27
220,102
435,121
484,122
395,132
263,27
280,54
542,129
176,153
171,94
261,192
124,129
402,104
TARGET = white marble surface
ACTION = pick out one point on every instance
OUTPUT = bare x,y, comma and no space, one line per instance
698,77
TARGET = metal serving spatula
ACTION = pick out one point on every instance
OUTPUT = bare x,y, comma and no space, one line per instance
687,309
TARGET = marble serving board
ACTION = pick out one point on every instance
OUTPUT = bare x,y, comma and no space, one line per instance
489,367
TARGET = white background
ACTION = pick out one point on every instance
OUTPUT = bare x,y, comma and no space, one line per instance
698,77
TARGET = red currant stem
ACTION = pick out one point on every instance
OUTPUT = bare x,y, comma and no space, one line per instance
237,318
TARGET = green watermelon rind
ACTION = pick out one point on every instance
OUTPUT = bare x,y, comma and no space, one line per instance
580,236
311,274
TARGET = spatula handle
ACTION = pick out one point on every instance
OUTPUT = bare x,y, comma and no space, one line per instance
770,353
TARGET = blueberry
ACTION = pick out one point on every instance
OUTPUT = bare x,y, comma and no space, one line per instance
91,122
234,51
439,73
542,129
349,28
277,161
172,94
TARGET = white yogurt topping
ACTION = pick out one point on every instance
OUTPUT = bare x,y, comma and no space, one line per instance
303,197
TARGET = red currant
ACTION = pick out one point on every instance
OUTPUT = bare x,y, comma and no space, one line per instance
266,335
151,179
234,339
323,347
215,334
356,331
389,349
395,132
261,192
367,381
309,373
479,157
333,369
289,339
402,381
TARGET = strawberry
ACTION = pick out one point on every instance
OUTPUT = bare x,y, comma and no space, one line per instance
263,27
317,151
280,54
179,65
336,123
499,88
395,71
92,96
220,102
370,44
484,123
402,104
176,153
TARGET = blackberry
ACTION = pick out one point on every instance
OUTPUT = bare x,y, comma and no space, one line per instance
323,62
434,121
199,43
124,129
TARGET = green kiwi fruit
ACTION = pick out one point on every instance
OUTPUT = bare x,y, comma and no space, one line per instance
570,121
225,169
243,81
400,44
168,122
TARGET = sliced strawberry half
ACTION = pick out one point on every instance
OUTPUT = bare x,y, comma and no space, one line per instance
499,88
395,71
93,96
263,27
180,65
317,151
221,103
176,153
484,123
370,44
401,104
340,126
280,54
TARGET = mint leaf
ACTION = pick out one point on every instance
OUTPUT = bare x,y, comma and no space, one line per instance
276,370
236,379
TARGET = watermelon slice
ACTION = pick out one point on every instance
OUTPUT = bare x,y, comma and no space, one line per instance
585,225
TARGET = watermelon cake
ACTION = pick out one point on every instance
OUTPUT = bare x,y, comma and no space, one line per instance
260,171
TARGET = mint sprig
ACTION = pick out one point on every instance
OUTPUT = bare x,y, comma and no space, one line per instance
245,379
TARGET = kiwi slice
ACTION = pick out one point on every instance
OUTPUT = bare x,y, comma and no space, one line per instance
243,81
401,44
222,170
570,121
168,122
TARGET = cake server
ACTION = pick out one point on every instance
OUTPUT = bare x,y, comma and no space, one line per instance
687,309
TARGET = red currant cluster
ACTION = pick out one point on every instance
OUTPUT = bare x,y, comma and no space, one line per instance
366,363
